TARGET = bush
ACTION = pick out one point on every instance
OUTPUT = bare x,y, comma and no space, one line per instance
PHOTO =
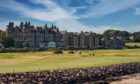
51,49
58,52
135,46
80,52
71,52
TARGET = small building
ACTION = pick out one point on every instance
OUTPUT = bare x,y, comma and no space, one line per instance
132,38
113,42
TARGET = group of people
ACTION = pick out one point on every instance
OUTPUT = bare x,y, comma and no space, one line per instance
70,76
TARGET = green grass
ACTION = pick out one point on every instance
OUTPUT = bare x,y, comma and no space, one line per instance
45,60
133,44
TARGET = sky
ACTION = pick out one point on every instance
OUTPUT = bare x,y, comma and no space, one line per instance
73,15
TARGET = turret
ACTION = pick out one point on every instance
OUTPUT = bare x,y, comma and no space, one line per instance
11,25
46,26
21,25
29,24
26,24
52,26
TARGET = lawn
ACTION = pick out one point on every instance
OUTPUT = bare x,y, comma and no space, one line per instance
133,44
47,60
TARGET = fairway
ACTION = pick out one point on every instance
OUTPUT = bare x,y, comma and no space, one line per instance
47,60
133,44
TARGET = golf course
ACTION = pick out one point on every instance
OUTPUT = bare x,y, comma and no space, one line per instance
48,60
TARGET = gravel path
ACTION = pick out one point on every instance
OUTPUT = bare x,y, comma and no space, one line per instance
128,79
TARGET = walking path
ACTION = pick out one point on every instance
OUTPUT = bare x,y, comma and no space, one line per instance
128,79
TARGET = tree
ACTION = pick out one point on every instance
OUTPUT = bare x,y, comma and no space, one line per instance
136,36
26,44
2,35
45,26
8,42
115,33
18,45
124,33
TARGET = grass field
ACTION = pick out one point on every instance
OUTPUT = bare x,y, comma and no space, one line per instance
46,60
133,44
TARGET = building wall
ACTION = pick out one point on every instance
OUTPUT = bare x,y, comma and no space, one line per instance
37,36
70,42
82,40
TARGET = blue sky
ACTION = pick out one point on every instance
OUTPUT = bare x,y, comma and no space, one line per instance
73,15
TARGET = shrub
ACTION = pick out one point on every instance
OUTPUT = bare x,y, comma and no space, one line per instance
58,52
80,52
71,52
51,49
135,46
90,54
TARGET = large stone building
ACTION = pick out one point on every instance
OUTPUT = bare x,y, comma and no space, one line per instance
51,37
83,40
39,37
89,40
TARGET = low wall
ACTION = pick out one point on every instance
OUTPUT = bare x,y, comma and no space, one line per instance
71,76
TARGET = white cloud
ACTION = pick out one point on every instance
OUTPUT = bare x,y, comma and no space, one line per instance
135,28
101,29
137,11
90,1
55,12
12,5
65,19
106,7
62,18
3,24
75,26
48,16
71,25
